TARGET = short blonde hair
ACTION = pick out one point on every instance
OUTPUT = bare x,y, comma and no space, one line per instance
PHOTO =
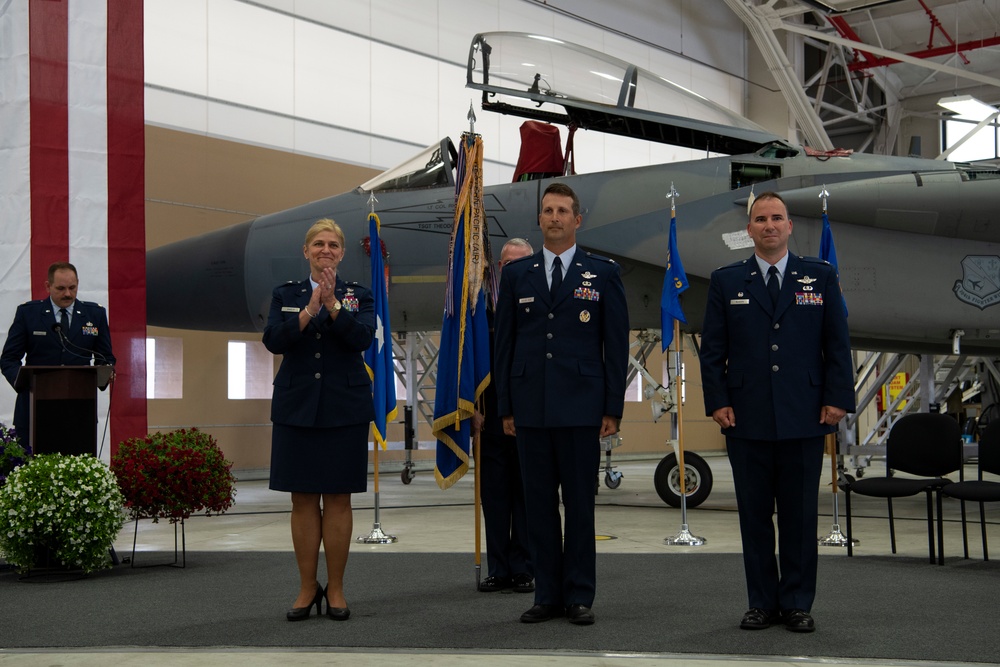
325,225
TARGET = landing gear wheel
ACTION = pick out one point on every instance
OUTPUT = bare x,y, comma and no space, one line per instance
697,480
613,479
407,475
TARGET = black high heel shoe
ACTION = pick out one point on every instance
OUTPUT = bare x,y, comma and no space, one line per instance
302,613
336,613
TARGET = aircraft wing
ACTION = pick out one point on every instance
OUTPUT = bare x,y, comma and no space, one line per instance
530,75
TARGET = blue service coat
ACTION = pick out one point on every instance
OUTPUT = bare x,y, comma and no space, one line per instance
561,361
776,365
31,336
322,381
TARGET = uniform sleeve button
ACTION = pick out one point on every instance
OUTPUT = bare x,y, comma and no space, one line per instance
318,375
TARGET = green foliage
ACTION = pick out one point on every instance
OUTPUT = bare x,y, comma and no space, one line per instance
65,508
12,454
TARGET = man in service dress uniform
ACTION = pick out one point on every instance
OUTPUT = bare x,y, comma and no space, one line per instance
59,330
777,374
561,361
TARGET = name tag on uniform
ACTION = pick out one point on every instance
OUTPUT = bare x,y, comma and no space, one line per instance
739,302
290,309
39,333
527,299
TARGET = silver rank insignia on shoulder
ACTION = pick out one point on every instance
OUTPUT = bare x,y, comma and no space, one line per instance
584,316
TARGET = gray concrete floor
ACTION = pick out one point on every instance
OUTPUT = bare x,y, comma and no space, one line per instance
632,514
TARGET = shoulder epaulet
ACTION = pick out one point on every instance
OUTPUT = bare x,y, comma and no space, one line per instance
600,258
814,260
740,263
520,259
292,282
353,283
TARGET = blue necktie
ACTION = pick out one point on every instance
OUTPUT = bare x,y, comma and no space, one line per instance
556,275
63,319
772,284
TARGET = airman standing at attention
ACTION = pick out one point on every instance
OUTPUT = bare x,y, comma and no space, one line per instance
561,361
777,374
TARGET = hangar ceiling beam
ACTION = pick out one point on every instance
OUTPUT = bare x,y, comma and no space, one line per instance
814,134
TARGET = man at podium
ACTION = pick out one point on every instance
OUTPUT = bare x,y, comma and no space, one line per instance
56,331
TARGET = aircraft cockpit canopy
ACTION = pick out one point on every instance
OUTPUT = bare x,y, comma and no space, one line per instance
525,75
432,167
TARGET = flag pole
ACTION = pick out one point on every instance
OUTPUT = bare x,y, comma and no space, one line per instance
478,507
684,537
835,538
377,536
478,510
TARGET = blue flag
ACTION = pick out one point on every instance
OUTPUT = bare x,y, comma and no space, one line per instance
829,253
674,282
463,369
378,357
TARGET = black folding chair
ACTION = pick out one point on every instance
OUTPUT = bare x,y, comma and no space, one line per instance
979,490
926,445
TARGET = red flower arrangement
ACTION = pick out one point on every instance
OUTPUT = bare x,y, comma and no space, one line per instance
174,475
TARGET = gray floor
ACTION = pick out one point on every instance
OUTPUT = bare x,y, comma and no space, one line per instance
630,519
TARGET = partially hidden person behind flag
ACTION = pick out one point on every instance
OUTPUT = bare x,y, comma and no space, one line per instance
562,336
777,377
321,410
674,282
59,330
502,491
378,357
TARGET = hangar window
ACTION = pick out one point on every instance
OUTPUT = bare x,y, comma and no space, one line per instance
164,367
251,370
980,146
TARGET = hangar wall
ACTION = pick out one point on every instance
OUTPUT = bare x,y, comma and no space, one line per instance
256,107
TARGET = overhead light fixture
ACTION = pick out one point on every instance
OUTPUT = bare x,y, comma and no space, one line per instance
967,106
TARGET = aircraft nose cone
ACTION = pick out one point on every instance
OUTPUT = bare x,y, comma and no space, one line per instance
199,283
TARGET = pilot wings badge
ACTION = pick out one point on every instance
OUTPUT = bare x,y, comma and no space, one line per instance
980,283
807,280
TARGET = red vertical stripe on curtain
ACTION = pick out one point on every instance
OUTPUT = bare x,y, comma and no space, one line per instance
127,218
49,153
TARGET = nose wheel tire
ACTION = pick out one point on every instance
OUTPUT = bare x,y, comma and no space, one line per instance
697,480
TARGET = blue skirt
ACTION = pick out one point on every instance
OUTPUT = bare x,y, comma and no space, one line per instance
319,460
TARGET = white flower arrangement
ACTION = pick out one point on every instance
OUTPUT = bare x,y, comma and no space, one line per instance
68,508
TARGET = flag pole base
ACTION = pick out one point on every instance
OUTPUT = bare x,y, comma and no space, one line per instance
684,538
836,538
376,536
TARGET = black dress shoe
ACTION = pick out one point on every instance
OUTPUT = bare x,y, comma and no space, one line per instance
580,614
302,613
797,620
758,619
493,584
523,583
541,612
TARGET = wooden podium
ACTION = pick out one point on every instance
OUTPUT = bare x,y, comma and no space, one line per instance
63,405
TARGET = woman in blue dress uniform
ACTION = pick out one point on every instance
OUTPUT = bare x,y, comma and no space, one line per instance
321,410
